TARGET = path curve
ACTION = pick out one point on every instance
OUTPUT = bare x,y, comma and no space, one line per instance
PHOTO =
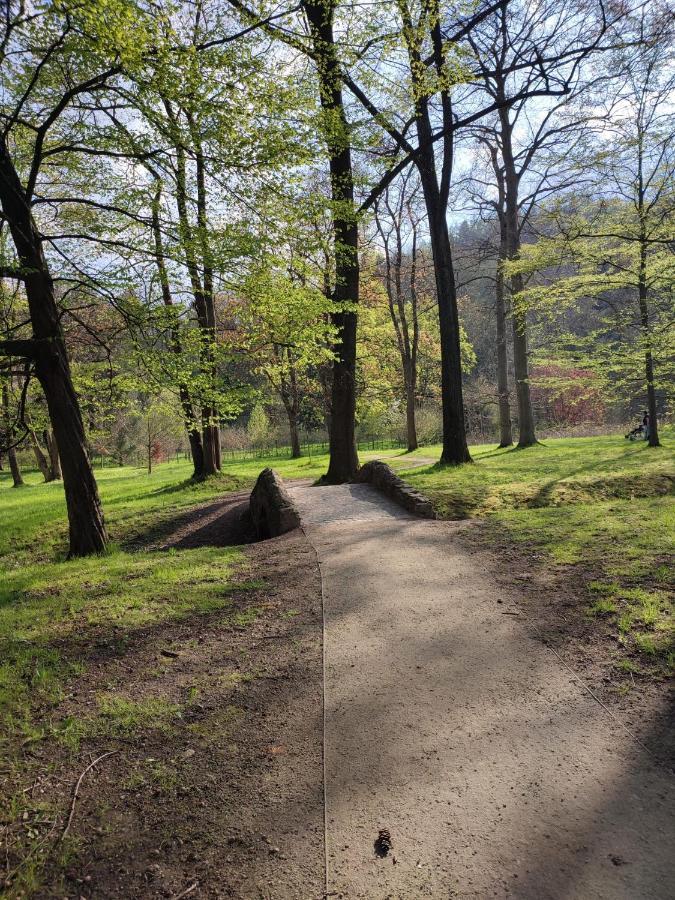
451,725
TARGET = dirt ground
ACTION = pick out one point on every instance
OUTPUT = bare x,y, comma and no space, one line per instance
228,801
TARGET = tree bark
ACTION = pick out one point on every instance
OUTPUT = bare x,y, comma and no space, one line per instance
53,451
201,282
643,293
343,464
85,516
455,447
290,397
649,361
398,313
40,457
14,468
505,432
410,423
526,430
194,435
295,437
11,452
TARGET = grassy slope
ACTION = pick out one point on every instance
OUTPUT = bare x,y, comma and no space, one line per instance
602,506
52,609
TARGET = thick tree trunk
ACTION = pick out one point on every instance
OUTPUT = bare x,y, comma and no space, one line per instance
344,462
85,516
209,443
53,451
455,446
197,452
290,397
505,432
295,437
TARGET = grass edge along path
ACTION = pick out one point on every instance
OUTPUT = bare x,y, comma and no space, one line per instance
601,510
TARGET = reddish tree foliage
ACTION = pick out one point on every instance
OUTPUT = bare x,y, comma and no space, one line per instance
567,396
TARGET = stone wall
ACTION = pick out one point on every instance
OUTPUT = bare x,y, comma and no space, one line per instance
381,476
272,509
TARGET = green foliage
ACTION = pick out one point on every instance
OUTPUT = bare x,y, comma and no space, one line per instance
258,428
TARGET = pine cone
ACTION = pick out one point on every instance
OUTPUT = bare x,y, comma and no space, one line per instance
382,842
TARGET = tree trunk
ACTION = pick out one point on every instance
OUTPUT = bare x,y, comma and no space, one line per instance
295,437
290,397
343,464
455,446
505,432
11,452
526,430
14,468
53,451
411,426
196,451
85,516
40,458
649,361
194,435
209,443
216,441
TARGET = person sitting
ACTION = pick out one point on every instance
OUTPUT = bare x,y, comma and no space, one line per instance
646,423
642,430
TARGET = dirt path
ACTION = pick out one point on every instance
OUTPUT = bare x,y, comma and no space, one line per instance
450,724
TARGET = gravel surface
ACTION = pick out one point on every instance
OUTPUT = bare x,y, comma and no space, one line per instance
452,727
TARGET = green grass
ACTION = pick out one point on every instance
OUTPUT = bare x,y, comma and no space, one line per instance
53,611
601,506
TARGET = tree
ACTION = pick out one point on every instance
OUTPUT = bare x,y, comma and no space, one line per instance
322,50
9,437
258,427
398,224
617,249
51,60
287,328
526,141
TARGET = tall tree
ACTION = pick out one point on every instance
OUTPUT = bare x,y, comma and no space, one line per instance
526,138
615,248
398,224
51,59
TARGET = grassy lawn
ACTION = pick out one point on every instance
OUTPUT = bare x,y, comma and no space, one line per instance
601,506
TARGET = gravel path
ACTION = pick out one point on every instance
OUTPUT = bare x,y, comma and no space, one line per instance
450,724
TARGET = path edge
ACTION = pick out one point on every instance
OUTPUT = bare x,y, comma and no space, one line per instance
381,476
